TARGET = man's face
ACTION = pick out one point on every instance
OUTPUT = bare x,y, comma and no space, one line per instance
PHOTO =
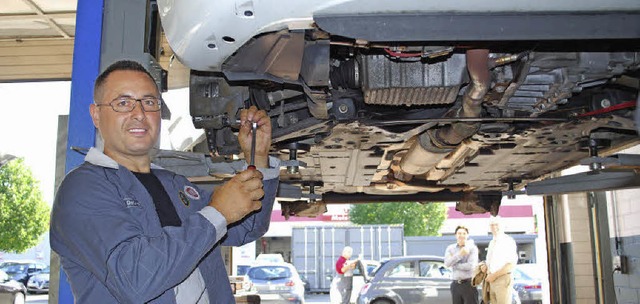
495,228
461,236
126,134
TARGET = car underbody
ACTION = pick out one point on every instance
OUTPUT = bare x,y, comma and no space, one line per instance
362,116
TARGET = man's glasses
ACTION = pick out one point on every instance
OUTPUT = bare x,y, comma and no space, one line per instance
124,104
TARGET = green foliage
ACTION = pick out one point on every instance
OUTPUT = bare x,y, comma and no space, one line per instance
24,215
418,219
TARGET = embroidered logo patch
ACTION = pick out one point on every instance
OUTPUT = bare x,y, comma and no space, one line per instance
184,199
191,192
131,202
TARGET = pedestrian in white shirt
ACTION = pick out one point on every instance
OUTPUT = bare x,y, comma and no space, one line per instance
502,257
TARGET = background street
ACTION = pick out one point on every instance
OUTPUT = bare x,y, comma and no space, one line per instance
310,298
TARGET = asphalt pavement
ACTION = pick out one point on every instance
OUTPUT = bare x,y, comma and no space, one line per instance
310,298
317,298
38,299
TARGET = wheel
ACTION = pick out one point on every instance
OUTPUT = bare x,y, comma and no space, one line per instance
382,301
19,299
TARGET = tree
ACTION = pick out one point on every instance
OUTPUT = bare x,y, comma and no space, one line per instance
418,219
24,215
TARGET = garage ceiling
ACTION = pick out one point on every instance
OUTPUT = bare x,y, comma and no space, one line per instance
36,42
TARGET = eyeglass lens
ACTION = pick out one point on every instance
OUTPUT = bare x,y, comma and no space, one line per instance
127,104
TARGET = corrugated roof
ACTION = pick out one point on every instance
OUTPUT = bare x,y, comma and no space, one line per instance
36,42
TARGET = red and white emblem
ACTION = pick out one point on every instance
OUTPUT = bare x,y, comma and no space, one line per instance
191,192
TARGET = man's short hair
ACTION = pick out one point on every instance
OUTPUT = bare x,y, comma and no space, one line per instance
120,65
461,227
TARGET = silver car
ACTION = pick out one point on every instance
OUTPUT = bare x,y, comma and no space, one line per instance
528,283
410,279
276,283
39,282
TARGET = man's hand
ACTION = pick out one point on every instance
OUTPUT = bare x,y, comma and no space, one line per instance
263,135
239,196
352,264
483,268
464,251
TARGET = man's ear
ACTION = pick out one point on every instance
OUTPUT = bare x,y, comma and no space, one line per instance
95,115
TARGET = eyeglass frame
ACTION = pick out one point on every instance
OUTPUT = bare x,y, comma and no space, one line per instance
136,101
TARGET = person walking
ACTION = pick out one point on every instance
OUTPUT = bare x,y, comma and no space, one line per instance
128,231
502,257
462,258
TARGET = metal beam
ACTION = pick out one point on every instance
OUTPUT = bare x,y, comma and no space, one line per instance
86,63
599,180
559,253
27,17
601,247
49,19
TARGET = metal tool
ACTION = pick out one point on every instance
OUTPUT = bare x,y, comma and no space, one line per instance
252,161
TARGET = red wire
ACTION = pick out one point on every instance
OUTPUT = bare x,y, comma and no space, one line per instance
624,105
402,55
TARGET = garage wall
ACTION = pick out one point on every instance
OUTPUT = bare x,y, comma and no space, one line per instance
578,214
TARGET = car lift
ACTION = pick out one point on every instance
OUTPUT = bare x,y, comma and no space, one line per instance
106,30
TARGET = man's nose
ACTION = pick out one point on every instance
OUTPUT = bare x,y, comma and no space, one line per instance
138,109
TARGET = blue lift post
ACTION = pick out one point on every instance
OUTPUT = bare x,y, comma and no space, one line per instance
86,67
105,32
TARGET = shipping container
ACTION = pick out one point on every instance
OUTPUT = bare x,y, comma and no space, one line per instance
315,249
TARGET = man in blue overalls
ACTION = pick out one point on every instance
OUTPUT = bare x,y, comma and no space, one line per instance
128,231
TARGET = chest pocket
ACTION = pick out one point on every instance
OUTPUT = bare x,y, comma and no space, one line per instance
138,203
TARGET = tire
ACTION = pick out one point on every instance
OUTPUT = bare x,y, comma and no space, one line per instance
19,299
382,301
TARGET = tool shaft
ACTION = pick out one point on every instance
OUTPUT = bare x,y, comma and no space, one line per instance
252,161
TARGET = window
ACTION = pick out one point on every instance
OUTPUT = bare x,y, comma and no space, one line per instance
434,269
269,273
402,270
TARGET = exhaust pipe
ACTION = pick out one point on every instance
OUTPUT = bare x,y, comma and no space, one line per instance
432,146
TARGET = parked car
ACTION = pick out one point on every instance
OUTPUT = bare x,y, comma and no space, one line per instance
6,263
410,279
22,271
39,282
276,283
368,265
528,283
360,276
269,258
404,100
11,291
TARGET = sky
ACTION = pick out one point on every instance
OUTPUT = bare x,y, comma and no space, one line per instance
29,123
